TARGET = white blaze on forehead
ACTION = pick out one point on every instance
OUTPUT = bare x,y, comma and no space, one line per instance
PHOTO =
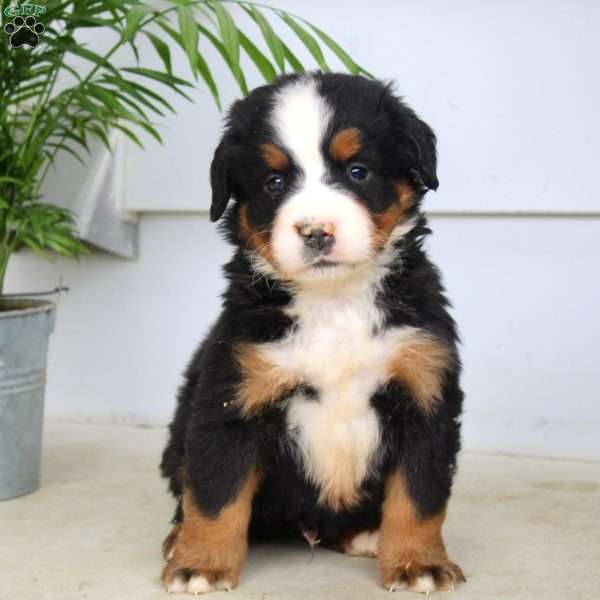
300,118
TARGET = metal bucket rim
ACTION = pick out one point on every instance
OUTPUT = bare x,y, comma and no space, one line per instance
35,306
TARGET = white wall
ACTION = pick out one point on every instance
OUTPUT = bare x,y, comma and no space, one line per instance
526,293
511,88
513,93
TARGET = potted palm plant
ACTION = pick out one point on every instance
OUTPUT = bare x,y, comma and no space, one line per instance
49,107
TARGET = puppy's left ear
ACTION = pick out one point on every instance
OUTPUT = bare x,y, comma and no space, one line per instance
220,181
423,140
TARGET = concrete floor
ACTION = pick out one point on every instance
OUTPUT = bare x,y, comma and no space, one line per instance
521,528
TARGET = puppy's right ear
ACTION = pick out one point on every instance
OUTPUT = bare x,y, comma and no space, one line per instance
220,181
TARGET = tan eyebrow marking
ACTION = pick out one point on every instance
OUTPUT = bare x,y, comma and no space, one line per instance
274,157
345,144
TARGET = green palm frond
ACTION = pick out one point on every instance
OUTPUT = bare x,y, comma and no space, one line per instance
56,97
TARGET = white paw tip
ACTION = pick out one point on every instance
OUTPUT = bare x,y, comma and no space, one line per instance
177,585
364,544
198,584
397,585
424,584
224,585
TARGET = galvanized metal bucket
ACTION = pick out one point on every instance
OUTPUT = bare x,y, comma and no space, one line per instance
25,326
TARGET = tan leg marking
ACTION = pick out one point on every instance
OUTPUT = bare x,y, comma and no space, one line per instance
203,553
167,545
420,364
386,221
411,550
262,381
345,144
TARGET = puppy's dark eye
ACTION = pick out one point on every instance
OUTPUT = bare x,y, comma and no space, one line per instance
274,185
358,172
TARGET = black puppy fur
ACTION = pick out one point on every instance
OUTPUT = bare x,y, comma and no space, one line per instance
210,441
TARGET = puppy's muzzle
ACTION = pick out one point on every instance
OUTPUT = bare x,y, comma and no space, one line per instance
318,238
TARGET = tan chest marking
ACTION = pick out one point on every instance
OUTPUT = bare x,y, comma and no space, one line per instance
339,349
334,350
263,381
420,364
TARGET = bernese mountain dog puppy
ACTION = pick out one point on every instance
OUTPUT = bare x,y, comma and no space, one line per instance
325,401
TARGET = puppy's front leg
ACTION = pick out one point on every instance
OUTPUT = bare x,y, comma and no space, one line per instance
424,380
206,552
411,549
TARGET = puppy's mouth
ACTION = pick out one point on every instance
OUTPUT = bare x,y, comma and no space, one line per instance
323,263
326,268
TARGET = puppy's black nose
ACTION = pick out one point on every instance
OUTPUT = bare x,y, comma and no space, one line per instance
317,236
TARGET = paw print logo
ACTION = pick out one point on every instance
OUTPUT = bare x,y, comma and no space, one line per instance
24,31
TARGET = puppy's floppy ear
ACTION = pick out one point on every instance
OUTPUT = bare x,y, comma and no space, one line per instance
416,149
220,180
423,139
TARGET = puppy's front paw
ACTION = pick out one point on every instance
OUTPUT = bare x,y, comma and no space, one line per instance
197,568
197,581
423,577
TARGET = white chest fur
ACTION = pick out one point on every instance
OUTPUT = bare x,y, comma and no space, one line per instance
338,350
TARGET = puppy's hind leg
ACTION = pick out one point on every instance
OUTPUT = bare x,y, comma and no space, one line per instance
362,544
